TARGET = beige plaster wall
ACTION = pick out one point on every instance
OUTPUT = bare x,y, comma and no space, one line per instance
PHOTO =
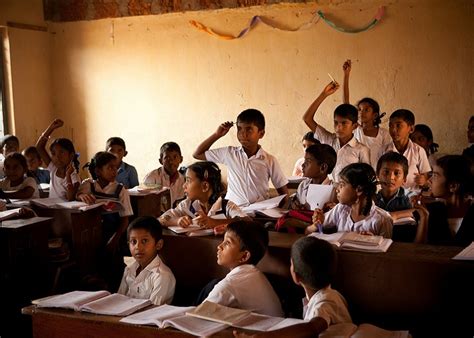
154,79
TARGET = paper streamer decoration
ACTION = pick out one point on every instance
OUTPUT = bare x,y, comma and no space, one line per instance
259,19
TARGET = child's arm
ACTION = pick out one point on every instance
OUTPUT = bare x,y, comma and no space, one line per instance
24,193
308,116
422,228
71,187
346,67
200,151
318,221
43,139
310,329
84,193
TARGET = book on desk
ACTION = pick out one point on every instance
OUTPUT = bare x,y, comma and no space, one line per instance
55,202
356,242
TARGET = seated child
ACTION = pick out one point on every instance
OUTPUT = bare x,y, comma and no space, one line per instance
308,140
10,144
355,212
16,184
33,159
127,174
147,277
348,149
313,266
204,190
401,125
245,287
249,166
423,136
168,175
62,165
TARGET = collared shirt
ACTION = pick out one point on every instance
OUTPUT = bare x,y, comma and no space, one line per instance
127,175
184,208
58,185
246,287
5,185
375,144
351,152
399,201
155,282
328,304
248,177
110,189
302,191
378,221
417,161
161,177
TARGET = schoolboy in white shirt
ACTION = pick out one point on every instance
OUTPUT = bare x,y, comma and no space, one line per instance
348,149
147,277
245,286
249,166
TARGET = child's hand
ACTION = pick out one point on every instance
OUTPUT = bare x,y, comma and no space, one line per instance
328,206
70,169
331,88
220,229
346,67
26,213
310,229
57,123
185,221
224,128
318,216
204,221
421,179
87,198
367,233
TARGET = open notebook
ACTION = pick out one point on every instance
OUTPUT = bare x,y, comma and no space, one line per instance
108,204
356,242
349,330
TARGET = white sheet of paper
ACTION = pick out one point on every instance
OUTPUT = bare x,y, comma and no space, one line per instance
318,195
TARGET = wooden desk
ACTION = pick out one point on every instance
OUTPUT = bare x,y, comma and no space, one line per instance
60,323
150,204
23,266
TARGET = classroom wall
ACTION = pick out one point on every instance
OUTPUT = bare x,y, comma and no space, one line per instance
153,79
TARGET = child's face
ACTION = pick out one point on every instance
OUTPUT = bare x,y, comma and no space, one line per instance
10,147
391,177
33,162
421,140
470,131
366,113
118,151
311,167
228,252
307,143
193,186
346,194
60,156
171,161
439,187
399,129
248,134
13,170
108,172
143,246
343,127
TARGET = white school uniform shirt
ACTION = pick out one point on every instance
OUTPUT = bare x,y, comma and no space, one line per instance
351,152
184,209
58,185
417,161
246,287
298,169
378,221
2,165
376,144
248,177
155,282
124,197
5,185
328,304
302,190
159,176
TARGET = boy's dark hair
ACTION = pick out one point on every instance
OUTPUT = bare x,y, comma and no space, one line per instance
98,161
314,261
67,145
9,138
252,116
393,157
31,150
347,111
375,108
362,176
18,157
456,169
210,173
471,119
115,141
309,136
405,115
169,146
253,238
424,130
323,153
147,223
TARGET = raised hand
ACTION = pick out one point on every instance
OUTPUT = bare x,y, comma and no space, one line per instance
224,128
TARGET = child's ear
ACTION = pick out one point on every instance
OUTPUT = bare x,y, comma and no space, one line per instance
245,257
354,126
261,133
161,161
412,129
205,186
359,190
159,245
324,168
125,153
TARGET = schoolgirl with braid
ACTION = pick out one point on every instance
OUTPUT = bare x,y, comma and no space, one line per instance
356,211
204,199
